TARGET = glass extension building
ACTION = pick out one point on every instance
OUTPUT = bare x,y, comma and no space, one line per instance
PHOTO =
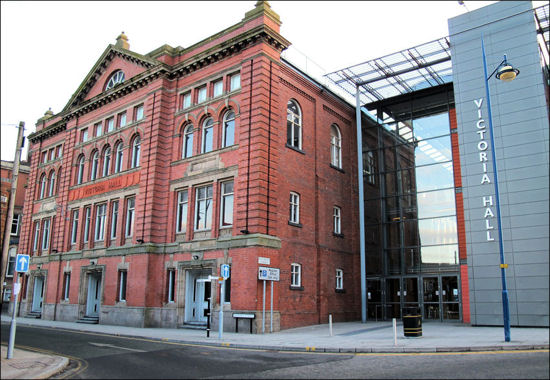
430,240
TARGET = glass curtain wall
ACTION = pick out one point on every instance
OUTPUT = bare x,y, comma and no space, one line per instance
410,211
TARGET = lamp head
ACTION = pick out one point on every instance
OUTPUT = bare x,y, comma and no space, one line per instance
506,72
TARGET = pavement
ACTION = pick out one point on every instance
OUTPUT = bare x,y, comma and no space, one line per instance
348,337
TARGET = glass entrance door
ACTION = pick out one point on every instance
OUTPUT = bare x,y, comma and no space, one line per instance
441,298
38,294
393,298
431,297
450,298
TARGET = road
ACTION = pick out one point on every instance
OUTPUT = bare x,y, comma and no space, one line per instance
104,356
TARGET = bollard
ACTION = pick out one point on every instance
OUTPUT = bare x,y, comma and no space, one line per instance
330,324
394,332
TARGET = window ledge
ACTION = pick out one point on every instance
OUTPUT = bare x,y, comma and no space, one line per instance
299,225
337,168
341,236
299,288
339,290
295,149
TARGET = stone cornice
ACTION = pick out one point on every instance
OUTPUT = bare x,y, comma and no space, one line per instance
50,130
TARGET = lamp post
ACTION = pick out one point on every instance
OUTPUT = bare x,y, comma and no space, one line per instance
506,73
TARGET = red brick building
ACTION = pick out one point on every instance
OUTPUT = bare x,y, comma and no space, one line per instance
164,166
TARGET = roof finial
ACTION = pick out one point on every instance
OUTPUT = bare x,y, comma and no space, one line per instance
122,41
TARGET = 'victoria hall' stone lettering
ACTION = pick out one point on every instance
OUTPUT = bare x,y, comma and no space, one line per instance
482,146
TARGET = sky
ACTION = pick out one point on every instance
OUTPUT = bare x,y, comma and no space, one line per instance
48,47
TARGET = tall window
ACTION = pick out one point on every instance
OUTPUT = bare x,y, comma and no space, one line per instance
138,112
201,95
87,221
207,135
15,224
203,208
121,120
43,186
122,277
66,285
294,206
36,236
339,279
235,82
136,147
295,275
181,215
51,181
227,204
98,127
335,146
110,124
187,149
171,288
368,167
228,129
293,125
46,235
100,222
74,226
114,219
12,254
130,209
95,165
186,102
119,157
217,89
80,171
84,135
336,220
106,161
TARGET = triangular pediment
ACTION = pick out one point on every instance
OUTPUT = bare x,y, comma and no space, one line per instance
113,58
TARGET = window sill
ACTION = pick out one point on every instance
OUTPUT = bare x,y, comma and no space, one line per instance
295,149
341,236
299,225
337,168
339,290
299,288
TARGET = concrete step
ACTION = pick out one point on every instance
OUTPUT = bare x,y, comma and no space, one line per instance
194,325
34,314
89,320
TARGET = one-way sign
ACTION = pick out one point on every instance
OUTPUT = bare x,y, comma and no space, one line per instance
22,263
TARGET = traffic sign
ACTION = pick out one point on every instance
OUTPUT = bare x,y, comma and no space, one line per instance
225,271
22,263
270,274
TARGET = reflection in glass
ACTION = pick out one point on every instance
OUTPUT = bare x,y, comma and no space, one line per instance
433,151
431,126
442,254
434,177
436,203
438,231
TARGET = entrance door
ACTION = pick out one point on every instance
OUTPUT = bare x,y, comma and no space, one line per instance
431,297
196,297
94,292
393,298
38,294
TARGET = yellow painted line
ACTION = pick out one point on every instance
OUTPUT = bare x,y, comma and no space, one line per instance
310,348
82,364
225,344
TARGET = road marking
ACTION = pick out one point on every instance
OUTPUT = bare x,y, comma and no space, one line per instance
450,353
113,346
82,364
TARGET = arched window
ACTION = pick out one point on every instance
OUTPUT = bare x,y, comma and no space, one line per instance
228,129
116,78
43,186
106,161
293,124
95,166
136,146
335,146
207,135
80,170
51,182
119,157
187,146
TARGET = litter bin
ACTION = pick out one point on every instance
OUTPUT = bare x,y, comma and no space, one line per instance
412,322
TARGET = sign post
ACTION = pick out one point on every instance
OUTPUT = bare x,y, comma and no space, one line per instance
224,276
209,279
21,266
268,274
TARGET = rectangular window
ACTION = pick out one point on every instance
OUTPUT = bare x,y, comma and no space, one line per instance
59,151
87,220
138,112
186,102
110,124
74,226
201,94
100,222
66,286
217,89
98,129
294,206
227,204
122,277
171,288
84,135
12,253
336,219
52,154
339,279
130,208
121,120
46,235
235,82
44,157
15,223
295,275
203,208
368,167
36,236
114,219
181,216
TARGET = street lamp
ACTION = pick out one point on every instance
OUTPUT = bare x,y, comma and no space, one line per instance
505,72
